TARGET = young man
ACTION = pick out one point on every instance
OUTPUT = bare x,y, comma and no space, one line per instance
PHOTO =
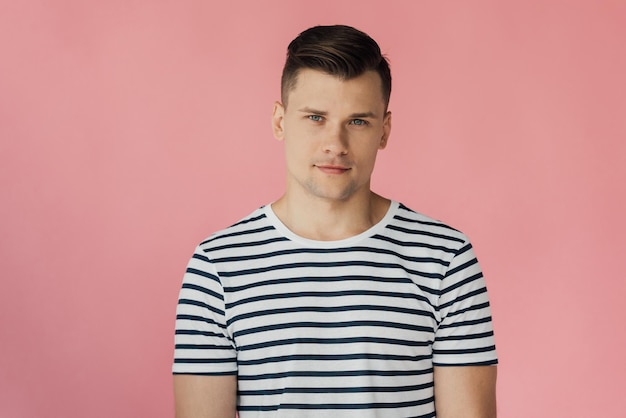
333,300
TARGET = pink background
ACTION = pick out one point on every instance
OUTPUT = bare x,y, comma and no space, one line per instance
131,130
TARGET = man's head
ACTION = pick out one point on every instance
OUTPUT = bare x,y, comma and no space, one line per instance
340,51
333,118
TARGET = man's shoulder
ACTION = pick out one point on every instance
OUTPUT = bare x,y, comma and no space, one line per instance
255,222
409,220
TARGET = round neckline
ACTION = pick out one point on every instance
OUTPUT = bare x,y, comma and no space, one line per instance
346,242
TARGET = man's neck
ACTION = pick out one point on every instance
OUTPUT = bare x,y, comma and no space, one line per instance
330,220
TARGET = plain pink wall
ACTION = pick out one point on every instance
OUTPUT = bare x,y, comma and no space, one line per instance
130,130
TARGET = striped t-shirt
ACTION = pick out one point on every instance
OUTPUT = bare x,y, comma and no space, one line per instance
333,328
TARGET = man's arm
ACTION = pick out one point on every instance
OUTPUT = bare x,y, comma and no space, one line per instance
465,391
205,396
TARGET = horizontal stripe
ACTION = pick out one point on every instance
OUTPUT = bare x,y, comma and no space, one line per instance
360,389
465,350
342,250
331,309
200,257
466,323
250,220
338,341
492,362
462,267
422,222
328,265
231,373
247,244
202,347
424,233
319,279
461,283
476,307
465,337
196,332
378,405
325,325
238,234
204,360
198,319
415,244
333,357
203,274
460,298
322,294
182,302
202,289
336,373
464,249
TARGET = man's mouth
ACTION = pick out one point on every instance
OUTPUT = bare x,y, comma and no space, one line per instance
332,169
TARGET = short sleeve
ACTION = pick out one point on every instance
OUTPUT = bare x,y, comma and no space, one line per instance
465,331
202,342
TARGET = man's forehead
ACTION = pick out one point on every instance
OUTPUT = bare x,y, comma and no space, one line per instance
317,90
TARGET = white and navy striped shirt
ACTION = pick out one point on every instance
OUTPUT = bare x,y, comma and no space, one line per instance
333,328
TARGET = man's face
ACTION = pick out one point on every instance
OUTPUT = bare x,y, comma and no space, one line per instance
332,130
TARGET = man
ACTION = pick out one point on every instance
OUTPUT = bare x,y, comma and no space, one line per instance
333,300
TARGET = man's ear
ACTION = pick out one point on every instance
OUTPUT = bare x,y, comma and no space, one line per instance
386,131
278,118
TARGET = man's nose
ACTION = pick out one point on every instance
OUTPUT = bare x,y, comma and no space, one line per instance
336,140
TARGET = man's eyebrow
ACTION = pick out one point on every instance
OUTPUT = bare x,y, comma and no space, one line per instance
324,113
314,111
363,115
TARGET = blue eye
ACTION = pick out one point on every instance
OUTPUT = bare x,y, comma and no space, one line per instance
358,122
315,118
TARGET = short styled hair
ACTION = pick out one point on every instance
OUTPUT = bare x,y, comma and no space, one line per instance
337,50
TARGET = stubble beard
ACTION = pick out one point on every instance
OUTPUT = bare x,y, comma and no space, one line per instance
330,191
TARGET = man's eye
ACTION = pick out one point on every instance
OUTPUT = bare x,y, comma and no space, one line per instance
358,122
315,118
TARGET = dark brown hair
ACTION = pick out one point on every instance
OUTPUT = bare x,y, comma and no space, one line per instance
338,50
